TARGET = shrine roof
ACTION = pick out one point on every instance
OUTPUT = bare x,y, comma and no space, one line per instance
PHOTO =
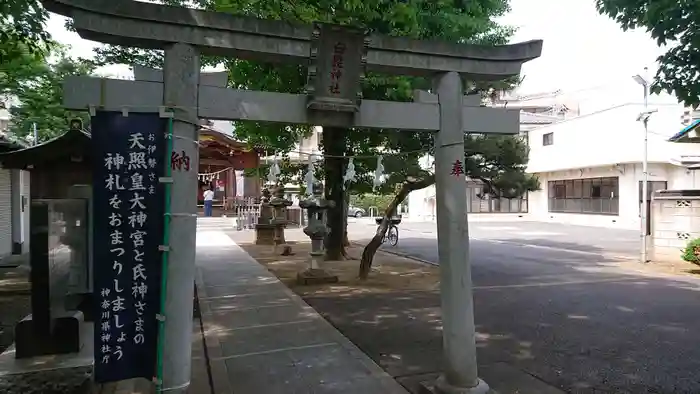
209,136
7,145
218,150
69,143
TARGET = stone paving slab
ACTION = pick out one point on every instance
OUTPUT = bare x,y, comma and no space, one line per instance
263,338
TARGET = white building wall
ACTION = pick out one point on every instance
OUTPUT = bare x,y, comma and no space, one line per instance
602,143
611,136
26,193
607,143
681,178
5,212
421,204
629,175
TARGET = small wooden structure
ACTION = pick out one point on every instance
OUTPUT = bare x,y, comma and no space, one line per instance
55,166
60,243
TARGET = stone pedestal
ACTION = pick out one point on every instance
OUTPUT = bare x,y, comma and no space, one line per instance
279,206
316,206
264,229
264,234
315,276
439,387
32,338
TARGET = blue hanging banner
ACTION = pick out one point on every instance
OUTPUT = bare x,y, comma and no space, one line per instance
128,158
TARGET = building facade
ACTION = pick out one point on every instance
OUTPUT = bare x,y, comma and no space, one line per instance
535,111
14,205
590,167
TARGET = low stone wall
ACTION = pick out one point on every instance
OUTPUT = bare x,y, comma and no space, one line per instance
675,220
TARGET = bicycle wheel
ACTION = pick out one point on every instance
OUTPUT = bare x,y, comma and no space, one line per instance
393,235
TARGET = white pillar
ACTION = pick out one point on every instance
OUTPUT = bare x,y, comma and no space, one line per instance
181,80
16,211
459,348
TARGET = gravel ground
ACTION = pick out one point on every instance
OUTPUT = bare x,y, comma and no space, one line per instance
15,302
13,308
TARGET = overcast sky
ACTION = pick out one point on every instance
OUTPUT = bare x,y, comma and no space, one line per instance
584,52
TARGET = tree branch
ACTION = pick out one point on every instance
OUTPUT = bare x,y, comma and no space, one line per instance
370,250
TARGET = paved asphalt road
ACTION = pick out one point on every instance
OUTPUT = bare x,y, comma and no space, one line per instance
547,303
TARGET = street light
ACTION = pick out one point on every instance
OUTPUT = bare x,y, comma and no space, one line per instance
644,118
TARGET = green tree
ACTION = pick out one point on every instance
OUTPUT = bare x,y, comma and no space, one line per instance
675,23
370,200
22,30
498,161
464,22
36,86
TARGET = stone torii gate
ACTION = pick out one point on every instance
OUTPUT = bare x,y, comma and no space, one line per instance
337,59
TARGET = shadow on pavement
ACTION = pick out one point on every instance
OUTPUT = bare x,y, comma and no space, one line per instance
565,318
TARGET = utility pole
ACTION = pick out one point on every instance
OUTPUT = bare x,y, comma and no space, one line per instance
35,134
644,117
645,171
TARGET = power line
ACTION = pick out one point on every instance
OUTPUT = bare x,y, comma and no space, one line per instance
600,111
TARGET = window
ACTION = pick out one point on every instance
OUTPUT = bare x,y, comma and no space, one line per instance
547,139
590,196
560,191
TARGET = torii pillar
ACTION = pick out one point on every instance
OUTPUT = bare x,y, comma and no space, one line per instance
458,331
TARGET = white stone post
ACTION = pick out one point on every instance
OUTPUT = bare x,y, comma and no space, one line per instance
180,90
459,348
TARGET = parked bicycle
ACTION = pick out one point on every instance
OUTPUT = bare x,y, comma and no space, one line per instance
392,234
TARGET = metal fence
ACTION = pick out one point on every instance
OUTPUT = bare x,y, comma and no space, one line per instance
247,212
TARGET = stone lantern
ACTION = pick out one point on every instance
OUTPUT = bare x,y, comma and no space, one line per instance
316,207
279,206
264,229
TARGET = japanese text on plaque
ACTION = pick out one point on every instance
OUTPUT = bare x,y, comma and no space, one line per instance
126,193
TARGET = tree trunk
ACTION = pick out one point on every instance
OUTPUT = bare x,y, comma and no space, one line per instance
346,240
334,145
373,245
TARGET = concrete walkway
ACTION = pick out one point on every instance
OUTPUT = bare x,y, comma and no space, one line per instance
262,338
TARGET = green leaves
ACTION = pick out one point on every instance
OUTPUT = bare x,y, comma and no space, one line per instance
36,85
499,162
22,31
671,22
691,252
